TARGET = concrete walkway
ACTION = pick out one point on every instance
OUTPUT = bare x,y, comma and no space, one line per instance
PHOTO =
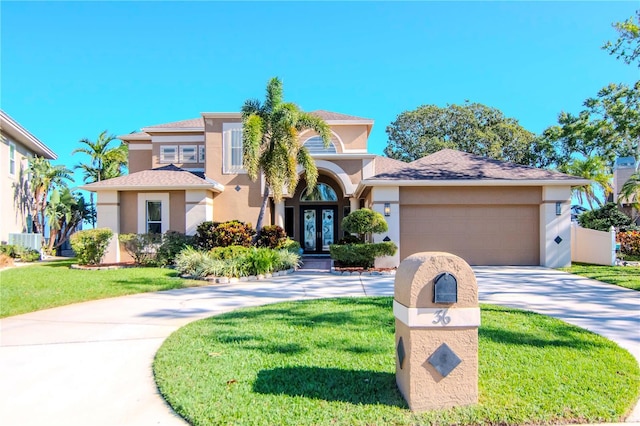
90,363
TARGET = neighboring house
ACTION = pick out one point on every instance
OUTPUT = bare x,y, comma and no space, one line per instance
17,147
486,211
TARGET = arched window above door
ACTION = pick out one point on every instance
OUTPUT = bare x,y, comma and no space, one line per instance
315,145
322,192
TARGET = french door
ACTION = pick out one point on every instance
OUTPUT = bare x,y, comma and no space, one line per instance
318,228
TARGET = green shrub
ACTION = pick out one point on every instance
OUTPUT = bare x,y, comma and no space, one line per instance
18,252
197,263
290,245
629,242
363,222
28,255
91,244
286,259
262,261
172,244
9,250
231,252
350,239
271,236
361,255
605,217
205,235
232,233
142,247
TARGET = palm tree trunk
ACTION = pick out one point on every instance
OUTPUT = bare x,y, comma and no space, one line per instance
263,209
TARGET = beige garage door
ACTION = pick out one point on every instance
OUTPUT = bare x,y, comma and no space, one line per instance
482,235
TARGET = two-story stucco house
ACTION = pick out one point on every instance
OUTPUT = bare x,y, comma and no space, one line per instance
16,147
486,211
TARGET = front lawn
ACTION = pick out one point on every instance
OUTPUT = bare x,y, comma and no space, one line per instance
50,284
624,276
332,361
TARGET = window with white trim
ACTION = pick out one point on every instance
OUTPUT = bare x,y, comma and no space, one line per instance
232,148
12,158
188,154
200,153
168,154
315,145
153,212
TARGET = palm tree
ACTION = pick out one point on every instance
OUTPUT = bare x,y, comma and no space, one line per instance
44,177
105,162
630,191
596,170
271,145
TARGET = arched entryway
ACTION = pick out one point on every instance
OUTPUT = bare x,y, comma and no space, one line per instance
314,219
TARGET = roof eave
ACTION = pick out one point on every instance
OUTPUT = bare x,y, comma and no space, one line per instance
471,182
217,187
173,129
26,138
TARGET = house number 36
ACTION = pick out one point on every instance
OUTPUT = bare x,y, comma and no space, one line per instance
441,317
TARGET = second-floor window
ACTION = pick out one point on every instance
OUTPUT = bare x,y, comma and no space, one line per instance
200,153
168,154
188,154
12,159
232,148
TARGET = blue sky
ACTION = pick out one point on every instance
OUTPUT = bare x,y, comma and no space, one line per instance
72,69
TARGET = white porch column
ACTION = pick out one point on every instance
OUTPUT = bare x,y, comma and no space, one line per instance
108,212
555,229
198,207
354,203
279,214
380,197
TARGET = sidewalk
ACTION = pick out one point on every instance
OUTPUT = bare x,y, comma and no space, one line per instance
90,363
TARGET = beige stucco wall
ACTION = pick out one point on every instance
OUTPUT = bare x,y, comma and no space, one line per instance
139,159
14,209
129,210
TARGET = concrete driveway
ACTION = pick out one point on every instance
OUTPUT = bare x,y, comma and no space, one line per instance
90,363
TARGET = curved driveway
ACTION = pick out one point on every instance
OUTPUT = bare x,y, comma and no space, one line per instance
90,363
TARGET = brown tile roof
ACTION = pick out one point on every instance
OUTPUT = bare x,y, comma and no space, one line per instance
328,115
167,177
192,122
450,164
387,165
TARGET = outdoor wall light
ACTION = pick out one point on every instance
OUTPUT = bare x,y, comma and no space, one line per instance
387,209
558,209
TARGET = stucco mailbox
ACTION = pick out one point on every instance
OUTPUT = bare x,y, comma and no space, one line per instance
437,318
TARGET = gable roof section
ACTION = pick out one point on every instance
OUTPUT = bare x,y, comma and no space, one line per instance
11,127
455,168
336,116
190,124
168,177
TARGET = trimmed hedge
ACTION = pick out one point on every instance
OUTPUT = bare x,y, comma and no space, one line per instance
361,255
90,245
271,236
142,247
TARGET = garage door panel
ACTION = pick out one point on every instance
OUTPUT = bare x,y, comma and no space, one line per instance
482,235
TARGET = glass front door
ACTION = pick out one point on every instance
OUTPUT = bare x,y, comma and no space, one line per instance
319,229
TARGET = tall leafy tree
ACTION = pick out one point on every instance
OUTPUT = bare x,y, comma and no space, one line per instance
472,127
271,145
105,162
44,178
597,171
627,46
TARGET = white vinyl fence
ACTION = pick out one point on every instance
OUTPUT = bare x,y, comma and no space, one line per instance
591,246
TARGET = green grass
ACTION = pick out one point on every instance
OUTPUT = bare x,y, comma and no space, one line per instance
50,284
623,276
332,361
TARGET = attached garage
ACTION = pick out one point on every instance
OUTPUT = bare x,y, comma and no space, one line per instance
488,212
